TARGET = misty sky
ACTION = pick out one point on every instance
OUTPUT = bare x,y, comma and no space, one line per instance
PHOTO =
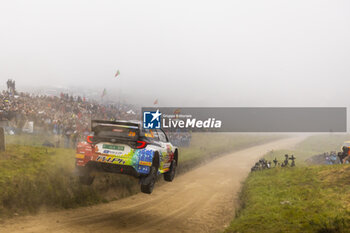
185,53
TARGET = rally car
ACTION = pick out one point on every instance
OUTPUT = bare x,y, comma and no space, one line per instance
125,147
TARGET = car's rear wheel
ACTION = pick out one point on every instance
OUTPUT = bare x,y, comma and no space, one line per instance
170,175
85,176
86,179
148,182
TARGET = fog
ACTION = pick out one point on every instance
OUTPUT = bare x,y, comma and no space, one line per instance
183,53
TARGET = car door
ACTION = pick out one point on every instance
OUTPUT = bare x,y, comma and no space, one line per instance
165,150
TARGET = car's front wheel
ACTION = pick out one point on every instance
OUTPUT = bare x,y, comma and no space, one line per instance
170,175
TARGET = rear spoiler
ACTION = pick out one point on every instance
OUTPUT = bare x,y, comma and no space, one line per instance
127,124
124,124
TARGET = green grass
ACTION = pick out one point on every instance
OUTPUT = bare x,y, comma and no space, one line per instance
299,199
32,176
30,139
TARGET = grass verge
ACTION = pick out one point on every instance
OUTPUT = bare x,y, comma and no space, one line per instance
299,199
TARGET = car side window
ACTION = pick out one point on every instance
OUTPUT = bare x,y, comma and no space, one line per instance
154,134
162,136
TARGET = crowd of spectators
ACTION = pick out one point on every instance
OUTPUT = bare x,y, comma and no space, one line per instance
328,158
65,115
180,138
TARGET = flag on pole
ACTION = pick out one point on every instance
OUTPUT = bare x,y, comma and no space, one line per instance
155,102
116,74
104,93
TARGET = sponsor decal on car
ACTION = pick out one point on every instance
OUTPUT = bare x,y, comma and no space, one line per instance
112,152
79,156
145,163
108,159
112,147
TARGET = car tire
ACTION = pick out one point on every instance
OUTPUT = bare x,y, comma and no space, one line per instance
86,179
85,176
147,184
170,175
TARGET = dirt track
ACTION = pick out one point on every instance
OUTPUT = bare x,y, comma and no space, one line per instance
201,200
